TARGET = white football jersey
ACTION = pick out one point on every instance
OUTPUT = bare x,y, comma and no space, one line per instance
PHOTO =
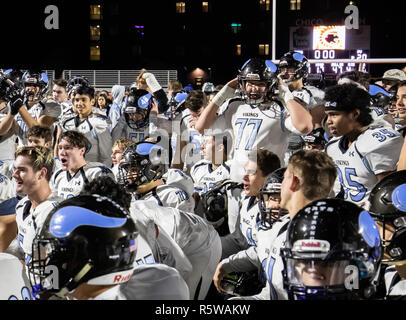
269,245
7,143
8,200
193,139
96,128
395,286
248,219
253,128
176,192
204,176
198,240
66,186
14,281
375,151
30,221
149,282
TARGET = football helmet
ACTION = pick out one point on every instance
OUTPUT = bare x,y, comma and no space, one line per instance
271,188
8,79
141,164
209,88
137,107
294,60
332,252
243,283
85,239
34,78
176,105
75,82
256,69
388,207
380,98
215,202
315,138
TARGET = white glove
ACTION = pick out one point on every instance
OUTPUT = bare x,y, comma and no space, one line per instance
225,93
151,81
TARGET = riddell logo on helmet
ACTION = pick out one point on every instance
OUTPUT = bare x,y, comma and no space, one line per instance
253,76
120,278
311,244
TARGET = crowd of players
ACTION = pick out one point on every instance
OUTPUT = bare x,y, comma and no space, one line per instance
264,188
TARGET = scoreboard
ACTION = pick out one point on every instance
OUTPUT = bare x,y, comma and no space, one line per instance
332,42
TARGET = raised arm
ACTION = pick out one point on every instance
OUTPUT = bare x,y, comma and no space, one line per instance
300,117
209,114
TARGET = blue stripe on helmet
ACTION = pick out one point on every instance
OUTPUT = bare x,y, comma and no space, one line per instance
272,66
399,197
146,147
374,89
368,229
144,101
67,219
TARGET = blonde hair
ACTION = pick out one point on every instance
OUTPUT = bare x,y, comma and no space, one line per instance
40,157
123,143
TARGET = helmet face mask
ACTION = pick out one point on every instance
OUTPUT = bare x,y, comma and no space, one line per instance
257,81
137,108
35,85
271,191
76,82
86,239
329,241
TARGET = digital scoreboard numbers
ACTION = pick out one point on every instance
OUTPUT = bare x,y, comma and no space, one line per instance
329,43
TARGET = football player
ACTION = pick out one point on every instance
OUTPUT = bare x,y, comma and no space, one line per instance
143,173
37,109
94,126
309,176
259,165
363,153
332,252
32,171
8,202
214,167
256,119
293,68
388,207
101,238
75,171
117,153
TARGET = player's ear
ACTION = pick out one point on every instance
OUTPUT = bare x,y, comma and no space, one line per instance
356,113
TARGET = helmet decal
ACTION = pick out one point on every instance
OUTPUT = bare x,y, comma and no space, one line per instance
271,65
368,229
146,148
246,62
399,197
298,56
144,101
44,77
72,217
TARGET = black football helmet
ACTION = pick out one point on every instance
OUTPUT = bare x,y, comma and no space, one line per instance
388,207
294,60
380,98
85,239
332,252
315,138
10,79
256,69
243,283
271,188
75,82
137,107
34,78
142,163
215,202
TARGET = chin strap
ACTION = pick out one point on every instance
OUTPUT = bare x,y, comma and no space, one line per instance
68,287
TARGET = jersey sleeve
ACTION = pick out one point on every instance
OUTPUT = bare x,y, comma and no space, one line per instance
245,260
383,155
